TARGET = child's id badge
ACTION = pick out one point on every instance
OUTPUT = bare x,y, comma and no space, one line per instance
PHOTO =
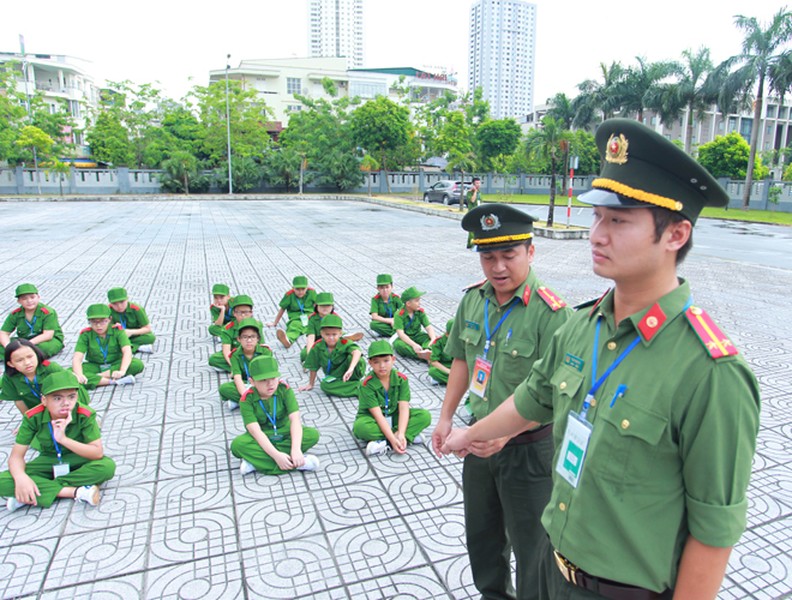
105,366
60,470
304,320
481,374
573,448
276,437
329,379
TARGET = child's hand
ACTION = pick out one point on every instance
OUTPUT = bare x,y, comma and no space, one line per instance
400,446
82,378
297,458
26,490
347,375
305,388
284,461
271,324
59,428
116,375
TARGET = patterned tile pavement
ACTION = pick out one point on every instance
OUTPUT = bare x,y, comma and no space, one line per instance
179,521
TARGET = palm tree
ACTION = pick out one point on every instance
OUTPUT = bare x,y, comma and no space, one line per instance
763,50
597,100
560,108
546,142
638,84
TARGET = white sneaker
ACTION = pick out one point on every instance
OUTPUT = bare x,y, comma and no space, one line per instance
375,448
12,504
311,463
232,405
245,467
418,439
89,494
126,380
146,349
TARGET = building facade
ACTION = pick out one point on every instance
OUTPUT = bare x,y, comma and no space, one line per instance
501,55
335,29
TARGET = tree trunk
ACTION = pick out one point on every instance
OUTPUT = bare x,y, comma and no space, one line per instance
754,142
462,197
551,206
186,184
689,128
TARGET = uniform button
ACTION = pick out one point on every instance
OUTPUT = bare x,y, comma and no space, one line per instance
625,424
492,344
514,352
593,402
562,385
561,506
485,399
611,345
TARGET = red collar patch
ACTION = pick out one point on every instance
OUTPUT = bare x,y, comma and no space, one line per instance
652,322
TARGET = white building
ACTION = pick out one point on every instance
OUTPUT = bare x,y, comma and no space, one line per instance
335,29
501,56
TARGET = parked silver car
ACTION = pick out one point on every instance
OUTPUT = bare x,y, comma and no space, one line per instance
446,191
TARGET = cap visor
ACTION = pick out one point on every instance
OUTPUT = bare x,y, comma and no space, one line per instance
610,200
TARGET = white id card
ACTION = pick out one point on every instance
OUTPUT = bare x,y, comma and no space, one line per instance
329,379
573,449
481,374
304,320
60,470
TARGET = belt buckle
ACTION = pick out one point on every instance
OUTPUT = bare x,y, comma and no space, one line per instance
568,570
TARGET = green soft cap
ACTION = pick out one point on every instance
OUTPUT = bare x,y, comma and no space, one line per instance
249,323
498,226
60,380
118,294
220,289
25,288
301,281
98,311
324,299
411,293
263,367
331,320
384,279
380,348
241,300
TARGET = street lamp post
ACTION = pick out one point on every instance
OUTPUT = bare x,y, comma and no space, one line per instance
228,127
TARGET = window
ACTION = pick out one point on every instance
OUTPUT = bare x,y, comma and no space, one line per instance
293,85
294,108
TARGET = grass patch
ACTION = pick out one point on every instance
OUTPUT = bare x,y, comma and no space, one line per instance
750,216
538,200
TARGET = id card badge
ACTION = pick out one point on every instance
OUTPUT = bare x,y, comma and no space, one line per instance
304,320
573,448
481,374
276,437
329,379
60,470
105,366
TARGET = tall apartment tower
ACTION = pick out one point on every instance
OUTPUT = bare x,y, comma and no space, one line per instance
501,55
335,28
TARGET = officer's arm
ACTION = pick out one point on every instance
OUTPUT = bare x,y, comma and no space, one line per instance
254,429
21,406
504,421
701,571
458,381
77,361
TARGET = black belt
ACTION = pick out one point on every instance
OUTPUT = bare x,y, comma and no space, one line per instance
613,590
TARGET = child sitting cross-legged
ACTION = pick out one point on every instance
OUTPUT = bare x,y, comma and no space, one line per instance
250,346
338,357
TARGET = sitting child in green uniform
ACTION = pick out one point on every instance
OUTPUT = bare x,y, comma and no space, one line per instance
34,321
133,319
25,369
338,358
384,306
242,308
106,351
250,347
275,439
71,463
385,419
298,304
220,309
411,340
325,305
440,362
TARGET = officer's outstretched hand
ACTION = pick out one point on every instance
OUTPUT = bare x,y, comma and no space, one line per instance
439,435
456,441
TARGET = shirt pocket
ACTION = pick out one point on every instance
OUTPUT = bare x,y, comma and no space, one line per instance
516,358
472,339
566,383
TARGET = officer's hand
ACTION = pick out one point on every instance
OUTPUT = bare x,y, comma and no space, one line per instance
26,490
439,435
116,375
297,458
283,461
487,449
456,441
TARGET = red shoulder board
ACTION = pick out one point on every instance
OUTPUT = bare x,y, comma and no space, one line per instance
245,394
44,309
366,380
290,292
211,306
395,295
117,326
554,302
437,340
86,330
714,340
421,310
16,310
344,341
401,312
472,286
319,341
233,350
34,411
597,303
45,363
378,297
261,346
84,411
402,375
313,314
230,325
652,322
134,306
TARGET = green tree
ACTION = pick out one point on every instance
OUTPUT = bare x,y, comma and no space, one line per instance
637,85
367,165
496,138
246,171
12,113
560,108
764,46
61,170
341,169
598,100
36,145
727,156
546,142
179,170
381,127
109,140
584,147
430,118
282,168
787,176
178,131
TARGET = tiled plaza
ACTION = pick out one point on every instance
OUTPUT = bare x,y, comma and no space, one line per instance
179,521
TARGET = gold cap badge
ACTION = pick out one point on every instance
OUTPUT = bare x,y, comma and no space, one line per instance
616,149
490,222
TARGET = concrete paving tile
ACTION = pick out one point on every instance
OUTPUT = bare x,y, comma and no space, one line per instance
276,519
353,504
191,536
32,523
117,588
421,491
414,584
256,486
455,574
440,531
124,504
184,453
204,491
761,563
23,567
219,577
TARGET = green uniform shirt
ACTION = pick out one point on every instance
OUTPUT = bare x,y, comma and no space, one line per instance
520,340
315,324
240,363
256,410
35,425
298,306
215,312
18,387
134,317
44,319
410,325
229,335
478,201
670,457
438,351
372,394
386,309
335,363
102,352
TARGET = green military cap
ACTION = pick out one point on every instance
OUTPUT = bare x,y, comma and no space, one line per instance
220,289
644,169
241,300
98,311
498,226
264,367
411,293
449,325
331,320
380,348
60,380
25,288
324,299
249,323
118,294
384,279
301,281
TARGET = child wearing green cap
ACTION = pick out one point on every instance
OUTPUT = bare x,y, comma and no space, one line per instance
71,463
385,419
325,305
440,362
34,321
411,340
338,357
106,351
275,440
384,306
250,347
133,319
242,308
220,309
298,304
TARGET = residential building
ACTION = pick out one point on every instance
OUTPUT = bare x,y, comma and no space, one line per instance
335,29
501,56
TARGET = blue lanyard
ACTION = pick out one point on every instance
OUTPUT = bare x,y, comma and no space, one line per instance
301,306
387,402
57,447
245,366
122,319
104,349
410,321
487,331
388,307
32,323
273,418
329,362
229,316
35,388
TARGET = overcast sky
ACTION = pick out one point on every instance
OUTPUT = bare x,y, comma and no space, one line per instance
178,43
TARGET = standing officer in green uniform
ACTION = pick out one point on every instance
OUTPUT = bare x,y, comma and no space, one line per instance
133,319
384,306
440,362
250,346
655,414
503,324
71,463
220,308
298,304
34,321
242,308
473,197
338,357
